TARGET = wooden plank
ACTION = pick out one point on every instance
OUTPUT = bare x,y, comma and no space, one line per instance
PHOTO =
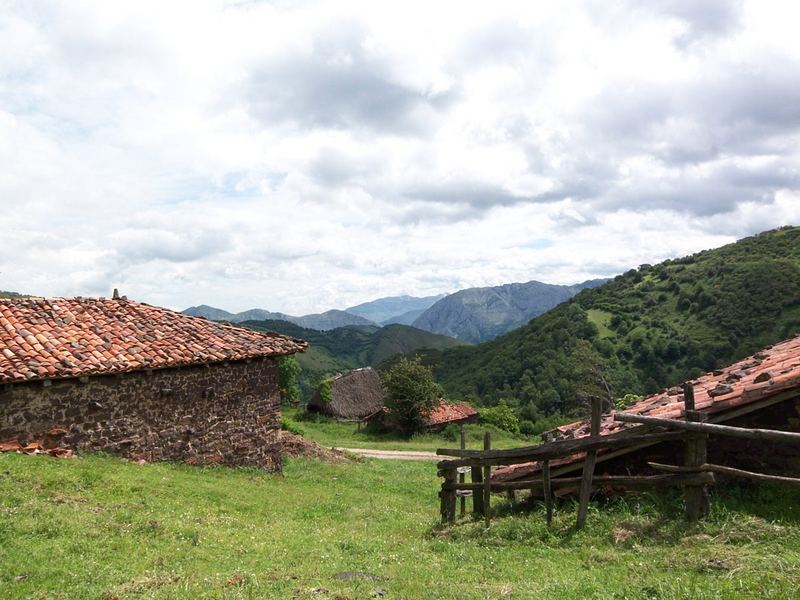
588,465
443,493
769,435
688,396
547,489
558,449
476,474
628,482
462,476
722,470
448,496
697,502
487,481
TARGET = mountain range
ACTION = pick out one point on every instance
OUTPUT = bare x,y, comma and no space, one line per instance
394,309
330,319
471,315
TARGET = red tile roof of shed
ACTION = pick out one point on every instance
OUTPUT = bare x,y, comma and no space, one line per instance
447,413
768,372
46,338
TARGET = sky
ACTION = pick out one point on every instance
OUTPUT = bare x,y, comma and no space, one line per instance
302,156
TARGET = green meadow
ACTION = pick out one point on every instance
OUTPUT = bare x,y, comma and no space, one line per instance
104,528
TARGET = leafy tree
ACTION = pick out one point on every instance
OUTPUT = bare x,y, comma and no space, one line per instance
410,394
501,416
288,371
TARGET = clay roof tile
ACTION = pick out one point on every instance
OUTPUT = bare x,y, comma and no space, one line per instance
69,337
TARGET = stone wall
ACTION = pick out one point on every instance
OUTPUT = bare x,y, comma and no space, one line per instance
227,413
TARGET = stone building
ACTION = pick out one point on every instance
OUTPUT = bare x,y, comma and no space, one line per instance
349,396
124,377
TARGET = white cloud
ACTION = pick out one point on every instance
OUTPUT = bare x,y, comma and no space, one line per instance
303,156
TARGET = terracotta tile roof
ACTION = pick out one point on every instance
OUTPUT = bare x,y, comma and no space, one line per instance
768,372
448,412
45,338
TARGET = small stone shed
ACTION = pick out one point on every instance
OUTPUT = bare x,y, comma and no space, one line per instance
140,381
761,391
350,396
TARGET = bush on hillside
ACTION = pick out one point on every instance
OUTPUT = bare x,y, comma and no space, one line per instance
501,416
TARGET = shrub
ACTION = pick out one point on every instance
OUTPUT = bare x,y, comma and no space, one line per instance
626,400
325,390
501,416
288,370
527,428
452,433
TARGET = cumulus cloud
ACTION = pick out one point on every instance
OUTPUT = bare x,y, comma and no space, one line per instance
304,156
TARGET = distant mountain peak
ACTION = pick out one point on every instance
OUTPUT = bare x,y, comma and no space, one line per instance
482,313
387,309
322,322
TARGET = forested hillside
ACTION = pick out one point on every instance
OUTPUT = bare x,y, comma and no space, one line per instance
650,327
348,348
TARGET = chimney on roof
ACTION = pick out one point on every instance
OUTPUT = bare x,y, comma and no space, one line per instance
116,294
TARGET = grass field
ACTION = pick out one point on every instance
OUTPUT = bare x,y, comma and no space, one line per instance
331,433
99,527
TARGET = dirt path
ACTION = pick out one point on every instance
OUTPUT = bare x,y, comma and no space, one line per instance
392,454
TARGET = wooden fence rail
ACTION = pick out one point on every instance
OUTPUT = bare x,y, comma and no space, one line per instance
552,450
695,475
764,435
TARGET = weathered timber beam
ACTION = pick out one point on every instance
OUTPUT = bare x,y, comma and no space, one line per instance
559,449
588,464
709,468
641,482
711,428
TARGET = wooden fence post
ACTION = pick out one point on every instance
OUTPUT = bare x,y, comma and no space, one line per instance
487,481
588,465
443,498
696,496
477,494
462,476
448,496
546,488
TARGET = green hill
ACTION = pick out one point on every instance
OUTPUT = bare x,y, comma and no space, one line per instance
648,328
10,295
346,348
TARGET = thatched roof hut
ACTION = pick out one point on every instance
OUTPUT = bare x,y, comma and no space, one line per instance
349,396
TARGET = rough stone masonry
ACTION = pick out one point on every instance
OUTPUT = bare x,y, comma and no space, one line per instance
220,413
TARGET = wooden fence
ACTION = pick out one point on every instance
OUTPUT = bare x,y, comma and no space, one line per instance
695,475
